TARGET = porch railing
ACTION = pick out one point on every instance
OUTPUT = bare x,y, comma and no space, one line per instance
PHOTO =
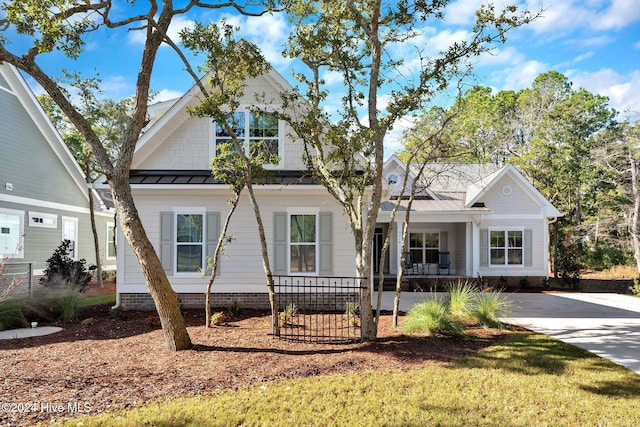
319,308
18,276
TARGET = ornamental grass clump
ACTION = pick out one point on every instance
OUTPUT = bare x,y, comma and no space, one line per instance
432,316
488,307
461,298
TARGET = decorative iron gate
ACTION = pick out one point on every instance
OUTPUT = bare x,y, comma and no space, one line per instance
319,308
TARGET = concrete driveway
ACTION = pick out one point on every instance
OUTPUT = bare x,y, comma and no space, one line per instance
605,324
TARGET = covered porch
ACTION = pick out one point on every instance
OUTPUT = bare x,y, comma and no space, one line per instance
440,243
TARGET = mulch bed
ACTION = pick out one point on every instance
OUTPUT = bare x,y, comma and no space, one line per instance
118,363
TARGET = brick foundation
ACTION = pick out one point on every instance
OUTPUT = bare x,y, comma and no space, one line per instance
320,301
246,300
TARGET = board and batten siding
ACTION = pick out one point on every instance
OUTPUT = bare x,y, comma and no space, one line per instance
241,267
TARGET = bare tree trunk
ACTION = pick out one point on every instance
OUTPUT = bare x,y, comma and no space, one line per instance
222,241
635,218
165,299
275,320
96,241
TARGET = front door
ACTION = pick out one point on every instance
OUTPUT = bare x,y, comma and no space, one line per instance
378,243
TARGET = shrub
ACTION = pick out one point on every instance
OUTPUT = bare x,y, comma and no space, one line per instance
218,318
352,310
488,307
287,315
234,308
56,304
432,316
64,272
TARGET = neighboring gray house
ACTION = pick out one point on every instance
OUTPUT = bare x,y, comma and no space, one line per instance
43,194
486,221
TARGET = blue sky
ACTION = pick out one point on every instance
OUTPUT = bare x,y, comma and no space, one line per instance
595,43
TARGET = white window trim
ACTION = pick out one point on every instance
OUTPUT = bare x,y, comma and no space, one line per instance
245,109
74,255
110,225
49,220
303,211
19,253
506,257
203,243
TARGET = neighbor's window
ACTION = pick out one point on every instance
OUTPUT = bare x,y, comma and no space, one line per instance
11,231
424,247
189,243
111,242
303,243
70,232
506,247
256,131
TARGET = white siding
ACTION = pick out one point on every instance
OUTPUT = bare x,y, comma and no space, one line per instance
540,262
241,267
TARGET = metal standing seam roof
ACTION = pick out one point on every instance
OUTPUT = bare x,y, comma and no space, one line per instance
448,202
204,177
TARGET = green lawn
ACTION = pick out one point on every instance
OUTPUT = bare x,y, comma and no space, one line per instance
527,380
102,299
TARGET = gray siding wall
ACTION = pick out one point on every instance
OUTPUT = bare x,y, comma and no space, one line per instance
28,162
40,242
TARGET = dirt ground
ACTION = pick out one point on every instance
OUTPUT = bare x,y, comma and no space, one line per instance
121,362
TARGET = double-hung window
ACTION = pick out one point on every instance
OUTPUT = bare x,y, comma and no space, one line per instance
506,247
256,132
189,241
303,243
423,247
70,233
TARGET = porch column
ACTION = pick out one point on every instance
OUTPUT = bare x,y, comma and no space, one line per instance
468,249
399,228
473,248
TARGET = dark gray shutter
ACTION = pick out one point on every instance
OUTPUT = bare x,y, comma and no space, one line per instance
213,234
167,241
484,247
280,243
528,247
325,241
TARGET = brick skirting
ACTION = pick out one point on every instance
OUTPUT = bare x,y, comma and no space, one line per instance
246,300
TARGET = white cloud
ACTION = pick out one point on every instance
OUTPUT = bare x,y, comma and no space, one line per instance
462,12
509,55
620,14
167,94
637,44
622,90
332,77
582,57
269,32
519,76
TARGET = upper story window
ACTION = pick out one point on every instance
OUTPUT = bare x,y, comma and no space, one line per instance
256,131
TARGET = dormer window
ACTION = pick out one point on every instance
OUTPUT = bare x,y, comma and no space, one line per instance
255,131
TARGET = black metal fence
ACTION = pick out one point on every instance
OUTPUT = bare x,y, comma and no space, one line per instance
319,309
